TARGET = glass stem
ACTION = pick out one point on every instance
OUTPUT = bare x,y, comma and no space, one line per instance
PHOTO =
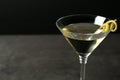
83,61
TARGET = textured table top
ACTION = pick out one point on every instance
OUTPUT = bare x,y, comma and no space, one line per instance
49,57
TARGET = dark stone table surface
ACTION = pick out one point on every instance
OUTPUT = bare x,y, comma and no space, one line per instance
49,57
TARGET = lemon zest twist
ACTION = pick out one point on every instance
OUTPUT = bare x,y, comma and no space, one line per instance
110,25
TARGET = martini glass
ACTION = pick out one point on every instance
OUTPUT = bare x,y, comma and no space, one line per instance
83,33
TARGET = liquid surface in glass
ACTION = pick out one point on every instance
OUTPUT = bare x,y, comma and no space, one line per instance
83,44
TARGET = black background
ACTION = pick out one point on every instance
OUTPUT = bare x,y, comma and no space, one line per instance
39,16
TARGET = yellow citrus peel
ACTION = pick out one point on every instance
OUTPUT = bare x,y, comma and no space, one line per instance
110,25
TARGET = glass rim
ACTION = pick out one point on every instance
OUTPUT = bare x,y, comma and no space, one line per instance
102,32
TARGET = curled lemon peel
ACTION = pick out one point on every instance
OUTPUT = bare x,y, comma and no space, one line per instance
110,25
